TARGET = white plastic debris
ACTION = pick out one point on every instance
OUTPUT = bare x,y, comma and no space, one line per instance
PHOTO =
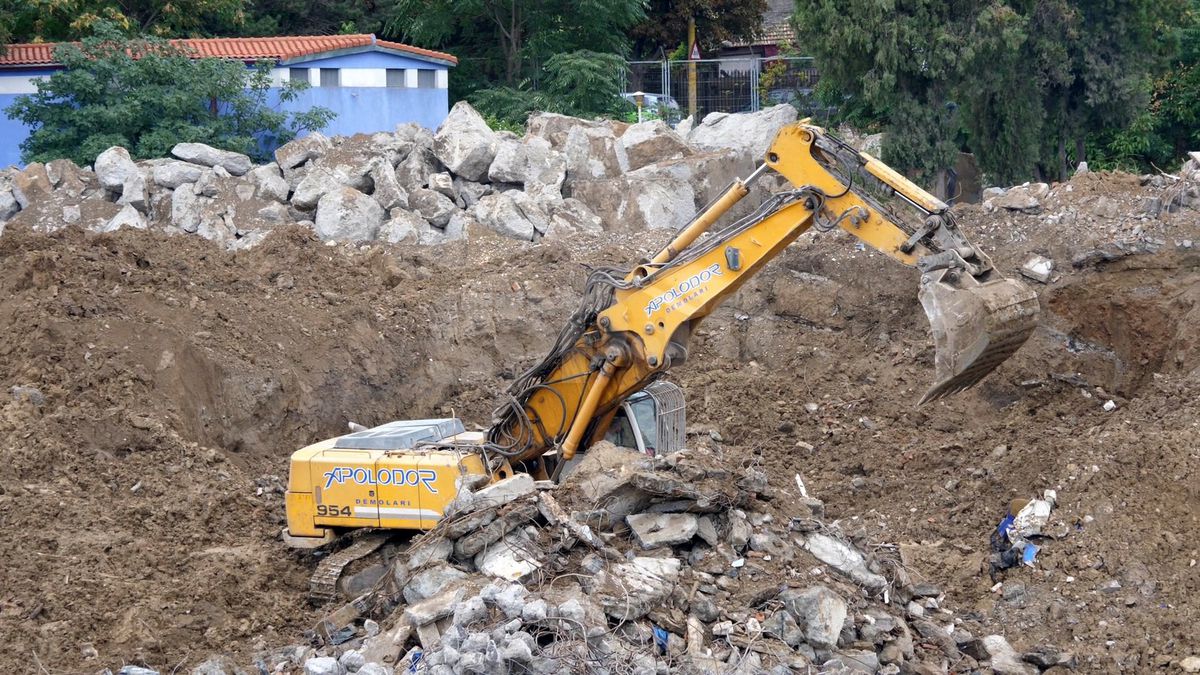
1110,405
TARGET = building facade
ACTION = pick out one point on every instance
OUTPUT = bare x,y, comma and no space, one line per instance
371,84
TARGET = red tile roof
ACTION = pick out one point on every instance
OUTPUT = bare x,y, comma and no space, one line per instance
243,49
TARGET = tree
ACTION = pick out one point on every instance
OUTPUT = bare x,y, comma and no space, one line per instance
581,83
147,95
900,60
666,24
57,20
508,41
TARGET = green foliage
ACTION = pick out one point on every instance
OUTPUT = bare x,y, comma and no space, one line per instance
54,20
581,83
1032,80
717,21
508,42
147,95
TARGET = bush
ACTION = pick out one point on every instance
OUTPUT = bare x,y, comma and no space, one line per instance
147,95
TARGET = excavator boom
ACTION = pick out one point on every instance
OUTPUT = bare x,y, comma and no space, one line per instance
633,326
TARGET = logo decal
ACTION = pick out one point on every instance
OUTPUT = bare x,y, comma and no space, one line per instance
399,477
691,285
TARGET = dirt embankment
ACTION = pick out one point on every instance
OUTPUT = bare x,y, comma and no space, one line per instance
140,487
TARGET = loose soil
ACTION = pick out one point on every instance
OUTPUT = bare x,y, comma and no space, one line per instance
141,487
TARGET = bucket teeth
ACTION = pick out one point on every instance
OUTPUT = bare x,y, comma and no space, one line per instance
976,326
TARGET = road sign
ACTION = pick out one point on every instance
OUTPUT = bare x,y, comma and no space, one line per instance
695,54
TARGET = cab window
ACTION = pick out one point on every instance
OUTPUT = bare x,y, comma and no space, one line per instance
621,431
647,421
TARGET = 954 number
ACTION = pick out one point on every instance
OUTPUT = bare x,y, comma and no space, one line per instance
333,511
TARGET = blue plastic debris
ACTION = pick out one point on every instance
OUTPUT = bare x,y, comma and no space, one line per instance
660,638
416,660
1030,552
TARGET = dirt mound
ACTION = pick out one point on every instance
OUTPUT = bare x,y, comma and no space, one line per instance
163,382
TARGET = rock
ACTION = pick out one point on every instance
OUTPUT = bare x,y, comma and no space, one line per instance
629,590
1190,664
510,599
514,557
323,665
751,134
512,214
845,559
555,128
294,153
405,227
632,204
375,669
1081,169
30,185
1003,659
114,167
510,164
1048,656
354,585
173,173
433,609
853,661
465,143
318,182
207,185
414,171
133,192
348,215
126,217
8,204
217,665
432,581
71,214
819,612
662,529
442,183
206,155
503,492
269,183
469,191
1026,198
783,625
388,191
570,217
433,206
652,141
136,670
352,660
593,152
186,209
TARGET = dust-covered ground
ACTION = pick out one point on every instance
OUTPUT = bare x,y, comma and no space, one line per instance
141,482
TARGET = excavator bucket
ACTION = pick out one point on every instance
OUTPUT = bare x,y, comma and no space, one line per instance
976,326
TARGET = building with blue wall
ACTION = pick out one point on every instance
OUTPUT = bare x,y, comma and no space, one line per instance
371,84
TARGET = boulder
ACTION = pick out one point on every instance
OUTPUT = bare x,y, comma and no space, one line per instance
751,134
173,173
318,182
432,581
455,230
235,163
652,141
433,206
404,227
441,182
414,171
186,209
8,204
513,214
532,164
388,192
845,559
296,152
708,174
469,191
1027,198
126,217
554,127
134,193
819,612
634,205
114,167
629,590
593,152
570,216
465,143
31,184
345,214
269,183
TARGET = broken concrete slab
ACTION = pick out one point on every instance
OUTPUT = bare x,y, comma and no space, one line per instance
653,530
819,612
235,163
845,559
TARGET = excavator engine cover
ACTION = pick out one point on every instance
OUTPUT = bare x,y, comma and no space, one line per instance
976,325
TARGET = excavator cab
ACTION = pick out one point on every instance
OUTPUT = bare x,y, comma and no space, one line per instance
652,421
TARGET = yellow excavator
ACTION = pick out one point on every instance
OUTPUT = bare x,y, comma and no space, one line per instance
602,378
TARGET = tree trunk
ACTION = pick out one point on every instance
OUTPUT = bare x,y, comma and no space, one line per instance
1062,156
1080,151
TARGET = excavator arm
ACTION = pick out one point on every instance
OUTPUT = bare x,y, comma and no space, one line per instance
631,327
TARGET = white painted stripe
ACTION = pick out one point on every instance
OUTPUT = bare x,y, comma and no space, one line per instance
410,78
369,512
442,79
364,77
15,84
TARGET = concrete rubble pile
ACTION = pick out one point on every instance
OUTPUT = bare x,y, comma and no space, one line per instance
687,563
411,186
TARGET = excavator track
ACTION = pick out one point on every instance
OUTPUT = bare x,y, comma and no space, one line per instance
322,585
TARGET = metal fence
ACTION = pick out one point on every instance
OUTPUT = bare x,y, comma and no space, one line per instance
732,84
